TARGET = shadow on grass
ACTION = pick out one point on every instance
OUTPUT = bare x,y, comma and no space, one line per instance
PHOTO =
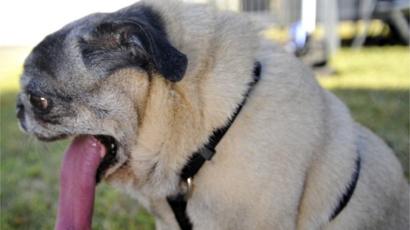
29,170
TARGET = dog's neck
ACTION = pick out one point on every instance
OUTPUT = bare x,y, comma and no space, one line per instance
176,121
178,118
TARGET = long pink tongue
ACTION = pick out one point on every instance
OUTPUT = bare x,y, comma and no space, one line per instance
77,183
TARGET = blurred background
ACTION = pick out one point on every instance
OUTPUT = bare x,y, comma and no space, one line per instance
358,49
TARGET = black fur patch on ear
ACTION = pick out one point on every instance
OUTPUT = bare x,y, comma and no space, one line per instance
133,37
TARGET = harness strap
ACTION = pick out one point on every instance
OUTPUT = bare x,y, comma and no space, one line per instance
178,203
344,200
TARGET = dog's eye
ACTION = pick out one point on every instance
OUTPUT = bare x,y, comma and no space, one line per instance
40,103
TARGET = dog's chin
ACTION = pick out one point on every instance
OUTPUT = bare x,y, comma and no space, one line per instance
111,160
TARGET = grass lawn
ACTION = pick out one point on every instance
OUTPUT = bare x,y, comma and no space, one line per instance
373,82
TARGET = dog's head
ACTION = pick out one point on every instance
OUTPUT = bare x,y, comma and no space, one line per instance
84,79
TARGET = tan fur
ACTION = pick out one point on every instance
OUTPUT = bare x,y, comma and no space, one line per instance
286,160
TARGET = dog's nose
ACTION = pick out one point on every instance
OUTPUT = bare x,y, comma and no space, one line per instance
20,112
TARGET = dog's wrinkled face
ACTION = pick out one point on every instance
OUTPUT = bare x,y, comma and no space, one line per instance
71,86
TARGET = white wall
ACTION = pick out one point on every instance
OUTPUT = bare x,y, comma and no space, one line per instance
26,22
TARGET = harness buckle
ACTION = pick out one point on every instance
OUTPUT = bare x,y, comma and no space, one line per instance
188,188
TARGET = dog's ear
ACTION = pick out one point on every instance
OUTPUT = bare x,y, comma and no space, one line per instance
131,43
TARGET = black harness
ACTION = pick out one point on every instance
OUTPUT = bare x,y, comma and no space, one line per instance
350,189
178,203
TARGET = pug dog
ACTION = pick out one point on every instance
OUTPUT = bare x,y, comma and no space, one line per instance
142,89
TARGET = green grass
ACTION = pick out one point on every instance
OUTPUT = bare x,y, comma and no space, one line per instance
374,83
371,68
